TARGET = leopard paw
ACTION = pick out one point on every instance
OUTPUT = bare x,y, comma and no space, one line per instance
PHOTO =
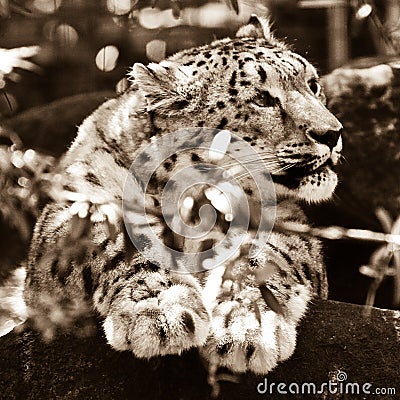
247,335
168,322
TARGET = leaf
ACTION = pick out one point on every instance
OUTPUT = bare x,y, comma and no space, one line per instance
396,227
257,312
384,218
271,300
7,100
20,9
233,4
367,270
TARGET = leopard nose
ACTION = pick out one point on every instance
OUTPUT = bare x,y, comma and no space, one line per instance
330,138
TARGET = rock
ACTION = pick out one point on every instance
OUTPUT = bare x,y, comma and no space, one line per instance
366,99
365,96
333,337
52,127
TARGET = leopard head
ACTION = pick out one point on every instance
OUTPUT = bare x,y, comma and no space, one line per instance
256,87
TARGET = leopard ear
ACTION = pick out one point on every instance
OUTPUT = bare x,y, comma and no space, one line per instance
260,27
257,27
160,85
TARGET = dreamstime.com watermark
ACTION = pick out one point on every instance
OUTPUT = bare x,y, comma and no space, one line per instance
338,385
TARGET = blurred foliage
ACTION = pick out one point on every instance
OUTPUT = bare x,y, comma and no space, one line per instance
23,174
87,45
16,58
385,261
12,305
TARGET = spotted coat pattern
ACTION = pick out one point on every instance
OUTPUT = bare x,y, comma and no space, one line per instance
255,86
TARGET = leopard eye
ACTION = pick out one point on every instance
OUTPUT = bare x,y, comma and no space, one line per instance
264,99
314,86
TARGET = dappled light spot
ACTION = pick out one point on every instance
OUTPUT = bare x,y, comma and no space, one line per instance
120,7
66,35
156,50
106,58
212,15
17,159
122,85
46,6
364,11
29,156
148,18
154,18
49,29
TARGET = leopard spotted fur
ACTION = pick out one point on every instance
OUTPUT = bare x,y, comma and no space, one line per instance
252,85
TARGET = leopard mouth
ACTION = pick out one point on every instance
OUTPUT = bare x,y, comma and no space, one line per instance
295,175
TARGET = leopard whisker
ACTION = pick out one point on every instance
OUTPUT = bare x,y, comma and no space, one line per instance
241,162
261,169
284,168
244,164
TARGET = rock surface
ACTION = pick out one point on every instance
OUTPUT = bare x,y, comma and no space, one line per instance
365,96
366,99
333,337
52,127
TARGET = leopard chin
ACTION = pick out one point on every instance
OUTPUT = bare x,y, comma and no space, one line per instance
314,187
318,186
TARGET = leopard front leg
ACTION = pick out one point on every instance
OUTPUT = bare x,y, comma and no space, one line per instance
254,323
151,311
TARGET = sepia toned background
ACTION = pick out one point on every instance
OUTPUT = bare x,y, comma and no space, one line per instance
87,45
